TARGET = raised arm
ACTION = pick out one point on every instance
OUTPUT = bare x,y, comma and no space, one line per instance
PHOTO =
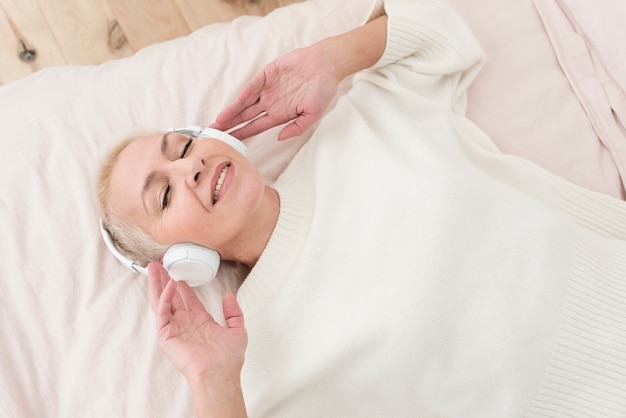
299,86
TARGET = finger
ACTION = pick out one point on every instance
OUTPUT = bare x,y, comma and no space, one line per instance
251,92
189,298
249,96
165,277
252,112
257,126
177,301
232,311
154,283
230,118
163,312
297,127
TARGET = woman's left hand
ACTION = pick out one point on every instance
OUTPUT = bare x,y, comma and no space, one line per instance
296,88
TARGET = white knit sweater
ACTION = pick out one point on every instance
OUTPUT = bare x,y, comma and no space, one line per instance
416,271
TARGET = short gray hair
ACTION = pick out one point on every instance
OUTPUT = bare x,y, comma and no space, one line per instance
128,237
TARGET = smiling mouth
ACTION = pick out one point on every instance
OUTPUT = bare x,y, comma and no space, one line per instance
218,184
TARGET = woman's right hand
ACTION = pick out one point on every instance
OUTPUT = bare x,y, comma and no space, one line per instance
208,355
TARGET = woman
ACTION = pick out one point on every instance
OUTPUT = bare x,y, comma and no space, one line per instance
401,266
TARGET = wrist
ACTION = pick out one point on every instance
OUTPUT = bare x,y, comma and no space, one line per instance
356,50
219,395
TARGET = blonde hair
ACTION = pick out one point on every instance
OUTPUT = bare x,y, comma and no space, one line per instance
128,237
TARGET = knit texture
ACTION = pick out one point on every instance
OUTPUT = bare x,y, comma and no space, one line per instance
416,271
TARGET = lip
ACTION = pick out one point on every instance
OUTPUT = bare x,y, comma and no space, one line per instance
225,183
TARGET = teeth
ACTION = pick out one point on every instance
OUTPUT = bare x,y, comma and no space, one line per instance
218,184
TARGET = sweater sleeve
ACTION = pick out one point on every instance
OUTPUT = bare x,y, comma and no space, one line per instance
430,30
431,42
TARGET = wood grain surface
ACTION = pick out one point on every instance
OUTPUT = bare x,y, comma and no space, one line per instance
39,33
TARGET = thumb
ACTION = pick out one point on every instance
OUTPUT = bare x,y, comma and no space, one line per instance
297,127
232,312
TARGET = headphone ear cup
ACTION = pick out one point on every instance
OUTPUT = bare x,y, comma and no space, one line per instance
194,264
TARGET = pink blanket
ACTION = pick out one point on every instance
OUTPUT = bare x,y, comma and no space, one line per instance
589,40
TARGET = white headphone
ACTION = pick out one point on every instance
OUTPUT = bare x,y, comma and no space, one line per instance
191,263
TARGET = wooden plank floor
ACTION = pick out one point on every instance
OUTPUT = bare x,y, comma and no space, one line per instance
38,33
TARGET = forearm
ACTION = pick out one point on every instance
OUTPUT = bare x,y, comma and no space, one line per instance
356,50
221,400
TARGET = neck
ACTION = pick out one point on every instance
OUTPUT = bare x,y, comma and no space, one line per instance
248,248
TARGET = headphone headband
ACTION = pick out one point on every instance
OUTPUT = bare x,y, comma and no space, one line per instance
108,240
198,132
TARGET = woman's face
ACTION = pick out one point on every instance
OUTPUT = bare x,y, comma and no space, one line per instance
178,189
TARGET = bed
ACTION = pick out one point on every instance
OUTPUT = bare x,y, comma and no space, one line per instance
78,334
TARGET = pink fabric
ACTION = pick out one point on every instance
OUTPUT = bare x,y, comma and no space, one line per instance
523,100
587,40
602,27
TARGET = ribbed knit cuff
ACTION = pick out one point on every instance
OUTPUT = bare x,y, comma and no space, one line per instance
586,374
602,214
410,28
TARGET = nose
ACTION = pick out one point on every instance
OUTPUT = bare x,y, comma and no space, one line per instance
190,170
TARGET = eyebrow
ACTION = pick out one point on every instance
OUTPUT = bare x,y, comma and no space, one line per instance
164,142
150,179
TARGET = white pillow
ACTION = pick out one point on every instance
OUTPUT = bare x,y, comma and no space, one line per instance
78,335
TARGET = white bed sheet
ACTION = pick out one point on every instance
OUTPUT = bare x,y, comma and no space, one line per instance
78,335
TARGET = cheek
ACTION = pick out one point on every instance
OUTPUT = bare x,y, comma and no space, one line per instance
182,223
251,192
234,215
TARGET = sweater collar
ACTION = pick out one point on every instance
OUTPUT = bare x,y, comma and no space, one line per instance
279,258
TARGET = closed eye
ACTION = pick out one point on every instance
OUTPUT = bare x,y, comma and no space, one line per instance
168,189
166,197
186,148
